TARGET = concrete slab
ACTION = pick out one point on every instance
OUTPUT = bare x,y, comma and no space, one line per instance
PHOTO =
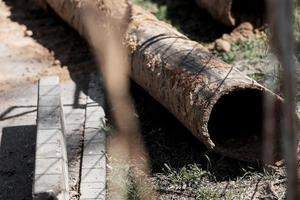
48,136
93,171
48,166
93,191
74,111
51,164
49,117
93,162
93,135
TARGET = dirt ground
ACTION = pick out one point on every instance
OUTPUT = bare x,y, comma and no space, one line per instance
182,168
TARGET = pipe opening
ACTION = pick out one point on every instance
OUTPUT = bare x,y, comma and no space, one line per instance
249,11
236,123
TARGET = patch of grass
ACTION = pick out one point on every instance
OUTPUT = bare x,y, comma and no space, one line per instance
159,10
208,194
148,5
186,175
132,192
259,77
162,13
251,50
106,126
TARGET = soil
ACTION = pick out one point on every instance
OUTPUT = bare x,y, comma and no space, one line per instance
244,31
17,39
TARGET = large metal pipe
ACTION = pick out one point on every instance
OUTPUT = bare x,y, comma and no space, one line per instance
232,12
222,107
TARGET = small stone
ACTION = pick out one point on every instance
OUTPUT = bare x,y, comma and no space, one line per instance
245,26
57,62
28,33
226,36
222,45
211,46
279,163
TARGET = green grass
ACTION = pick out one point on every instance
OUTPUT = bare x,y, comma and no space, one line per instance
214,194
132,192
254,51
249,56
148,5
259,77
159,10
208,194
186,175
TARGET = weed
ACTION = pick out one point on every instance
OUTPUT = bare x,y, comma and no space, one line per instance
253,51
132,192
186,175
259,77
107,128
162,13
148,5
208,194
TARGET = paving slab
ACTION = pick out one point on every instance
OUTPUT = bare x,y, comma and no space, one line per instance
93,171
51,163
74,101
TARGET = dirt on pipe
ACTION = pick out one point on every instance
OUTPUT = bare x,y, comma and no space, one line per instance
221,107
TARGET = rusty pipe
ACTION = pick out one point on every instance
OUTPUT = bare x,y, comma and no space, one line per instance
221,107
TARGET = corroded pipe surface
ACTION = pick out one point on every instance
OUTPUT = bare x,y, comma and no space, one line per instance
233,12
222,107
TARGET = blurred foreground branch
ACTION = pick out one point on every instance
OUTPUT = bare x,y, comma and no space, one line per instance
280,17
126,148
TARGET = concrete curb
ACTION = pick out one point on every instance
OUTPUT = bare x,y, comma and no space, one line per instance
51,165
93,170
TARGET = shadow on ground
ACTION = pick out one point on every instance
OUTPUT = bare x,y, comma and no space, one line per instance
169,142
189,19
17,155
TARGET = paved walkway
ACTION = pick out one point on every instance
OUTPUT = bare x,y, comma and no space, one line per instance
28,52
